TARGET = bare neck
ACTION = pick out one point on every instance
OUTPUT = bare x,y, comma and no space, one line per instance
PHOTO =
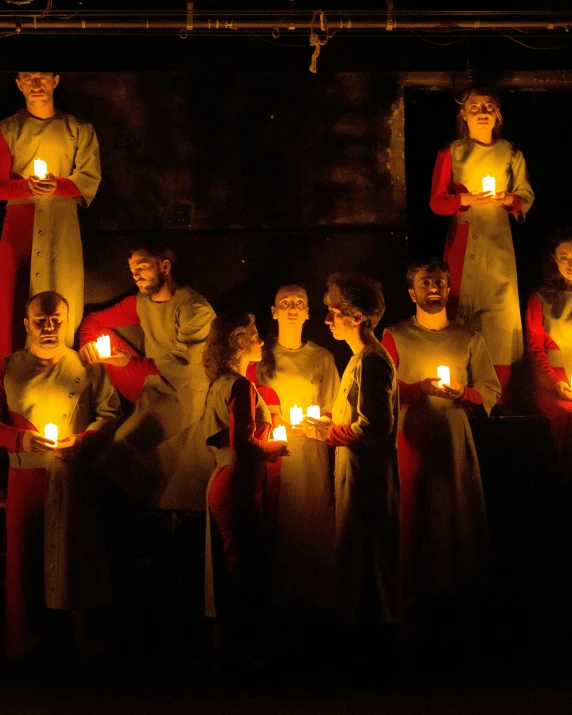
482,135
435,321
290,337
44,112
48,357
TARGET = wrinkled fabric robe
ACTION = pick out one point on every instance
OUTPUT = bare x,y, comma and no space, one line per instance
444,521
303,557
367,491
41,246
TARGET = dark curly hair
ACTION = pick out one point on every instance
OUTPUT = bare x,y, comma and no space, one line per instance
353,293
222,349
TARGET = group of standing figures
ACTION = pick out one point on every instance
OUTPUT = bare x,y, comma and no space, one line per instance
394,516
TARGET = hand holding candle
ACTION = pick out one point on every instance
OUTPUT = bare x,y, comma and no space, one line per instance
40,168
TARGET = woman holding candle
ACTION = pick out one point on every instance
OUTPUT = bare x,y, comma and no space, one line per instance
237,424
549,346
304,375
479,249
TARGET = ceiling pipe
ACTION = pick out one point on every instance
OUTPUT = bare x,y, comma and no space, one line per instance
288,21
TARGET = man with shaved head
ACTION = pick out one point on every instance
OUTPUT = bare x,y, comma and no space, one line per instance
54,545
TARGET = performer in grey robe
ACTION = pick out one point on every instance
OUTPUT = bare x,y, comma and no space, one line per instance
55,546
41,246
363,429
159,454
444,523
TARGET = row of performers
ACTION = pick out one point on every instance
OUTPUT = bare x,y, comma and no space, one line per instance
346,541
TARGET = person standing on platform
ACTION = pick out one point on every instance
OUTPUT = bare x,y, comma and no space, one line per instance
363,429
445,545
40,248
237,426
302,374
549,348
479,248
159,454
55,549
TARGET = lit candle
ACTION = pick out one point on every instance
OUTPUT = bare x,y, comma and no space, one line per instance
296,415
279,434
103,346
444,375
51,432
489,184
313,411
40,168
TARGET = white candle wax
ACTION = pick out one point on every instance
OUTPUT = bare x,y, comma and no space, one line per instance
103,346
279,434
313,411
444,375
51,432
296,415
489,184
40,168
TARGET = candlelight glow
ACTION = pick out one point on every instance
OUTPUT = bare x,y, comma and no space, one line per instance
40,168
313,411
103,346
51,432
444,375
489,184
296,415
279,434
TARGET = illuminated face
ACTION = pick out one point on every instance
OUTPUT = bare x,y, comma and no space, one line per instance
149,273
37,87
250,343
46,324
290,306
563,258
430,291
341,325
480,112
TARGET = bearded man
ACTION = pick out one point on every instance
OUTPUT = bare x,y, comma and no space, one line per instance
158,454
444,523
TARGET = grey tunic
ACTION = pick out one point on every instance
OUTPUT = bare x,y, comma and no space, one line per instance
70,149
75,398
159,454
452,533
367,490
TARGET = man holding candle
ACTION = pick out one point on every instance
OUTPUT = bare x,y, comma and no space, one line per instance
55,554
159,454
444,524
40,248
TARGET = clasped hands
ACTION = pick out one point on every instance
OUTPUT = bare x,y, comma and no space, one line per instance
42,187
430,386
502,198
89,355
65,448
313,428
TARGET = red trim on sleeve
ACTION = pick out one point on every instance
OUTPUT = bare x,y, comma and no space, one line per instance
12,186
118,315
343,436
538,341
471,396
66,187
445,195
243,440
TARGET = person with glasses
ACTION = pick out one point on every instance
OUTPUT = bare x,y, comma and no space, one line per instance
549,346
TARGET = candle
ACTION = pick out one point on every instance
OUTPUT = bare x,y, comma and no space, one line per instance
313,411
444,375
489,184
40,168
103,346
296,415
279,434
51,432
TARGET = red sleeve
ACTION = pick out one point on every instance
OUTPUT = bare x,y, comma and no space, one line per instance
515,208
120,314
10,188
445,195
243,441
471,396
408,393
342,436
66,187
538,341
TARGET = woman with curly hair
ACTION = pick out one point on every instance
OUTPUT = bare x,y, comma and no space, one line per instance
549,346
479,248
237,423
